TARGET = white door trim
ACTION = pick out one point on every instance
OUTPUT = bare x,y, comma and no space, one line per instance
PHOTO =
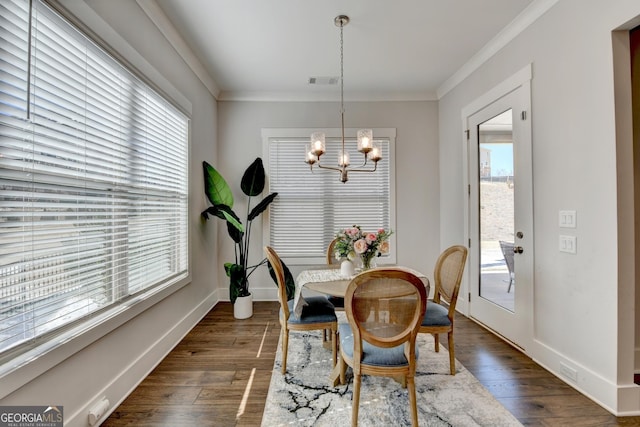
522,78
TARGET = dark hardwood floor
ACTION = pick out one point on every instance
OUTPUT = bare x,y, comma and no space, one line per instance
219,376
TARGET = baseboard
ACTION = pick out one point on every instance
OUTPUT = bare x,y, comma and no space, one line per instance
620,400
628,400
121,386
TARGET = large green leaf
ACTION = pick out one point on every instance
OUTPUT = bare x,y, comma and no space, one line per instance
290,284
260,207
234,232
238,285
215,187
253,179
226,213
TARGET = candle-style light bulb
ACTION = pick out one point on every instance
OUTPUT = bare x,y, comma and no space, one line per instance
310,159
365,140
343,158
375,154
317,144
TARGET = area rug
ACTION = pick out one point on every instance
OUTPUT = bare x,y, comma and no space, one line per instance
304,397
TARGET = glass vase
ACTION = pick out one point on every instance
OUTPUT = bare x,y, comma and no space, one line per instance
368,262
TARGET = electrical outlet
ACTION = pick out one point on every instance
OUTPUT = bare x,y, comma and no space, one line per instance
567,219
98,411
569,372
568,244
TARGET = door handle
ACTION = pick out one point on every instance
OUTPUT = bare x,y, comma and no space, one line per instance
518,250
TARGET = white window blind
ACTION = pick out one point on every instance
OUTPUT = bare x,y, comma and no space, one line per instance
93,179
312,207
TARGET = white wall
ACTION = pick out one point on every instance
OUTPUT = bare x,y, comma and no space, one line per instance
577,316
113,365
417,182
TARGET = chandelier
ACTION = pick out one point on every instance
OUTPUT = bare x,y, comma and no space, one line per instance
366,146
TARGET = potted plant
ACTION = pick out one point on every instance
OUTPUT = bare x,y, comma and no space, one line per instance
219,194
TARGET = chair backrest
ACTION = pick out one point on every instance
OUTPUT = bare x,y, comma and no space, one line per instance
331,257
276,264
448,275
385,307
507,253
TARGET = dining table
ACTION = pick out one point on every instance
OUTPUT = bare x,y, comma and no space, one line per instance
332,281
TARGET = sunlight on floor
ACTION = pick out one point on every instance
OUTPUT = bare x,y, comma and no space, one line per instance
245,396
264,336
247,390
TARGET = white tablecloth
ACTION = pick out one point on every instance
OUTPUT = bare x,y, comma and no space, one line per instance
337,281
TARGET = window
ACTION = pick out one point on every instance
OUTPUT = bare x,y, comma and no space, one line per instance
312,207
93,180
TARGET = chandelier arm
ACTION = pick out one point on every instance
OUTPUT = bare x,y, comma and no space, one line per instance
333,168
351,167
375,167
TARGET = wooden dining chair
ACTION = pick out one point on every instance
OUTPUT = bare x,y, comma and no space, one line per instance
438,319
331,256
317,314
337,302
384,308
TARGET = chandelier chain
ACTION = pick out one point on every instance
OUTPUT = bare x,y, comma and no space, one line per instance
341,68
342,81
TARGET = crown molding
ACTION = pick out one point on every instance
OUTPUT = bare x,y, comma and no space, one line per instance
159,18
527,17
259,96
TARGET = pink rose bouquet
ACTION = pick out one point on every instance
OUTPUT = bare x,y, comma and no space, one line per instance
353,242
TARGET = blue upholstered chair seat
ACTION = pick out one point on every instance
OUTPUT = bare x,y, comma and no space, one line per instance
317,310
337,302
372,355
436,315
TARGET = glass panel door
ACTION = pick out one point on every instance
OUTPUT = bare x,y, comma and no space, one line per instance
497,186
501,210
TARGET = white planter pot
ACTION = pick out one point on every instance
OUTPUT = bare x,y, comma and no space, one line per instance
243,307
347,268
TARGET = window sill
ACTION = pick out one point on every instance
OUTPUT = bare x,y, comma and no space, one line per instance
24,368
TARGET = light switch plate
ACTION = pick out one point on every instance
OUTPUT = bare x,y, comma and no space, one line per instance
567,219
568,244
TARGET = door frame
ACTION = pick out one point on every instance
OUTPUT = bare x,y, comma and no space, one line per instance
522,78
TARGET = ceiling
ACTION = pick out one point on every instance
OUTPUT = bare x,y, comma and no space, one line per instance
393,50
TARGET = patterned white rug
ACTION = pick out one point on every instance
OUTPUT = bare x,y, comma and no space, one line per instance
304,397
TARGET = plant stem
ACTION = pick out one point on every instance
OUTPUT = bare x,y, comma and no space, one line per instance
247,234
254,267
